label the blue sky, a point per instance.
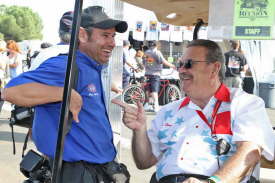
(51, 10)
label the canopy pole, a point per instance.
(68, 84)
(197, 28)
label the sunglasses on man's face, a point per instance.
(188, 64)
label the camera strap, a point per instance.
(26, 122)
(25, 141)
(13, 141)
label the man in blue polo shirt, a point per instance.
(90, 140)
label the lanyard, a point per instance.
(213, 117)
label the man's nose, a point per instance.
(112, 42)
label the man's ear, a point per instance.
(82, 36)
(216, 68)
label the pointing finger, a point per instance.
(119, 102)
(75, 116)
(139, 105)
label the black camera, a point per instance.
(222, 147)
(36, 168)
(117, 172)
(22, 116)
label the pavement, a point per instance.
(9, 163)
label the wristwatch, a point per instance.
(214, 179)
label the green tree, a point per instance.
(20, 23)
(1, 36)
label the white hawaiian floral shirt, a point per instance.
(181, 139)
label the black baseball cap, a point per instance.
(94, 16)
(65, 23)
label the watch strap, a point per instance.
(214, 179)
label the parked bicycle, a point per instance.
(169, 89)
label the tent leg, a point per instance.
(197, 28)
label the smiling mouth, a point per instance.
(107, 52)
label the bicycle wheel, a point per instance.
(172, 93)
(132, 94)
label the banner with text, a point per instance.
(254, 19)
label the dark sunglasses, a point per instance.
(187, 64)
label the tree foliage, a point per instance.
(1, 36)
(20, 23)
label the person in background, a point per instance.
(144, 48)
(43, 45)
(89, 153)
(127, 65)
(248, 82)
(3, 64)
(236, 64)
(14, 59)
(139, 59)
(132, 54)
(213, 135)
(3, 60)
(64, 32)
(153, 63)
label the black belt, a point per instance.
(106, 172)
(176, 178)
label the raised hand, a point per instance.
(75, 104)
(134, 116)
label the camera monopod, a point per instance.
(70, 81)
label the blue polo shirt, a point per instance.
(91, 139)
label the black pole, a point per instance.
(69, 81)
(197, 28)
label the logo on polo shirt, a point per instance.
(92, 90)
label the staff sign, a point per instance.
(254, 19)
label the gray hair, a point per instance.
(214, 53)
(65, 37)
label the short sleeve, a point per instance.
(251, 123)
(51, 72)
(160, 57)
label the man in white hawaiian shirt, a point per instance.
(214, 134)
